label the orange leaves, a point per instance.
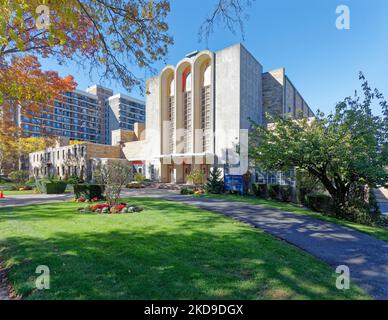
(23, 84)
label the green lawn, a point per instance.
(17, 193)
(170, 251)
(377, 232)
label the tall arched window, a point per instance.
(187, 107)
(171, 113)
(206, 104)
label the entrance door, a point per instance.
(186, 172)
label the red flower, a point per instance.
(81, 200)
(94, 199)
(119, 207)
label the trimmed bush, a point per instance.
(187, 191)
(260, 190)
(274, 191)
(285, 193)
(51, 186)
(89, 191)
(319, 202)
(74, 179)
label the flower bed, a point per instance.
(121, 208)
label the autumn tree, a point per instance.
(344, 150)
(109, 36)
(25, 90)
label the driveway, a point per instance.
(366, 257)
(25, 200)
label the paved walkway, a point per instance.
(25, 200)
(367, 257)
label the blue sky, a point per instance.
(300, 35)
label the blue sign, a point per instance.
(234, 184)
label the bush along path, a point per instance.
(366, 257)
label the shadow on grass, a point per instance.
(147, 264)
(38, 212)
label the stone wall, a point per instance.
(281, 96)
(103, 151)
(273, 92)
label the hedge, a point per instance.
(89, 191)
(286, 193)
(274, 191)
(260, 190)
(51, 186)
(319, 202)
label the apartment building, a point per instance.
(73, 116)
(103, 95)
(89, 115)
(123, 112)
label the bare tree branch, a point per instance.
(231, 13)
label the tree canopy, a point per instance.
(344, 149)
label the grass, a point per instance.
(170, 251)
(8, 192)
(18, 193)
(377, 232)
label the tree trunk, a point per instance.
(338, 195)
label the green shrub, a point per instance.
(319, 202)
(51, 186)
(196, 177)
(19, 177)
(4, 179)
(260, 190)
(139, 178)
(89, 191)
(187, 191)
(274, 191)
(364, 212)
(41, 185)
(285, 193)
(56, 187)
(74, 179)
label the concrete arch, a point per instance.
(183, 124)
(203, 66)
(167, 77)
